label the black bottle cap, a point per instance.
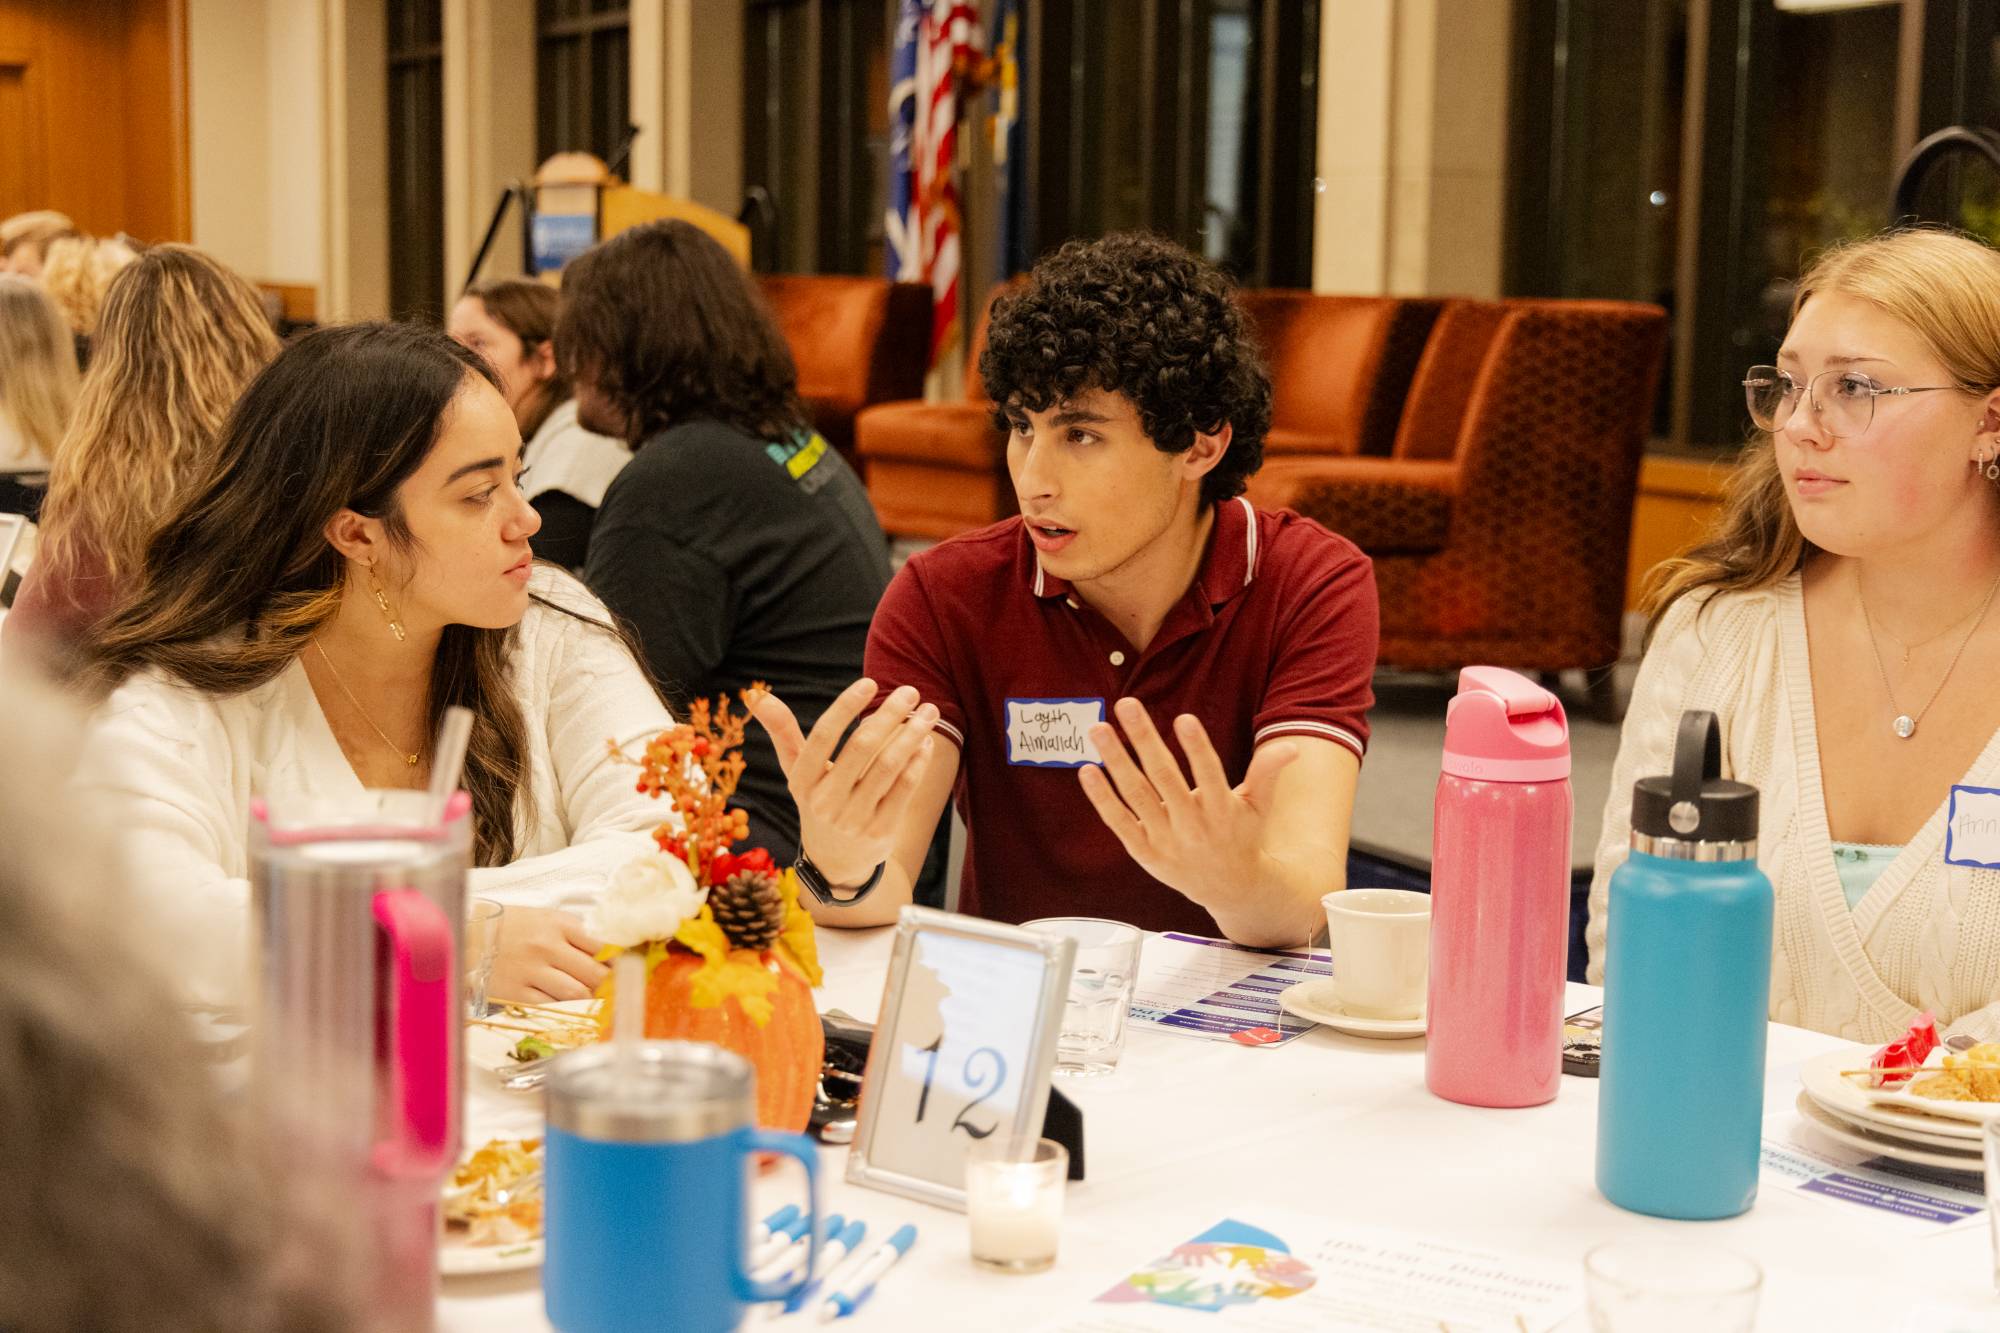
(1695, 803)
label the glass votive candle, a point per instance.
(1657, 1286)
(1013, 1201)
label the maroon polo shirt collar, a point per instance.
(1227, 567)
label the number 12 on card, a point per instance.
(963, 1049)
(997, 1064)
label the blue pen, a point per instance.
(831, 1256)
(778, 1241)
(794, 1254)
(761, 1232)
(862, 1285)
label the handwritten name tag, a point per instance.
(1052, 733)
(1972, 828)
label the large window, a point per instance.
(1194, 118)
(416, 158)
(1699, 153)
(816, 131)
(583, 69)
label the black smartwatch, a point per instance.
(817, 886)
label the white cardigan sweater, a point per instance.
(174, 771)
(1925, 936)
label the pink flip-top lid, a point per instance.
(1502, 727)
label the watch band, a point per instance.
(816, 883)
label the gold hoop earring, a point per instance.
(382, 601)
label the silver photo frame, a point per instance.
(964, 1048)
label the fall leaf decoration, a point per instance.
(749, 920)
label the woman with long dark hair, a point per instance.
(352, 561)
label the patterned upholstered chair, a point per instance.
(1500, 523)
(1340, 367)
(856, 342)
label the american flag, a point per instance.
(933, 38)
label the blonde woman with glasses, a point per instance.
(179, 338)
(1841, 624)
(37, 376)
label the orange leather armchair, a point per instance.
(1499, 526)
(938, 469)
(855, 341)
(1340, 366)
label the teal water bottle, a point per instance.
(1687, 985)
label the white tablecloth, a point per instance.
(1187, 1132)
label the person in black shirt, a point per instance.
(737, 542)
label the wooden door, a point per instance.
(93, 113)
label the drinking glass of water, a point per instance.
(1100, 992)
(482, 949)
(1658, 1286)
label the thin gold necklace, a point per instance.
(409, 757)
(1905, 725)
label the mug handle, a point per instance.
(423, 991)
(806, 1152)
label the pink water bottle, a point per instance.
(1500, 858)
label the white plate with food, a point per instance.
(513, 1035)
(1962, 1085)
(1884, 1143)
(1851, 1099)
(493, 1209)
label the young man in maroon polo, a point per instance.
(1035, 670)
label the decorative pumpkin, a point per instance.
(730, 954)
(786, 1051)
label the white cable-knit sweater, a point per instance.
(174, 771)
(1925, 936)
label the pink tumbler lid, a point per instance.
(1502, 727)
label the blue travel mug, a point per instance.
(645, 1207)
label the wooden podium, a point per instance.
(574, 202)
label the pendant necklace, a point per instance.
(1905, 724)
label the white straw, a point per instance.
(628, 1013)
(448, 758)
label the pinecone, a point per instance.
(749, 909)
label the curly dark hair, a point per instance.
(1136, 315)
(669, 328)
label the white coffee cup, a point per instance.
(1381, 943)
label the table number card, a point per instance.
(963, 1049)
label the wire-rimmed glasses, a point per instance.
(1845, 410)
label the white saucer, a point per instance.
(1314, 1001)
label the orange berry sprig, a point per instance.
(695, 767)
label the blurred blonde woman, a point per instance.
(37, 375)
(25, 237)
(1841, 625)
(140, 1198)
(77, 273)
(179, 338)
